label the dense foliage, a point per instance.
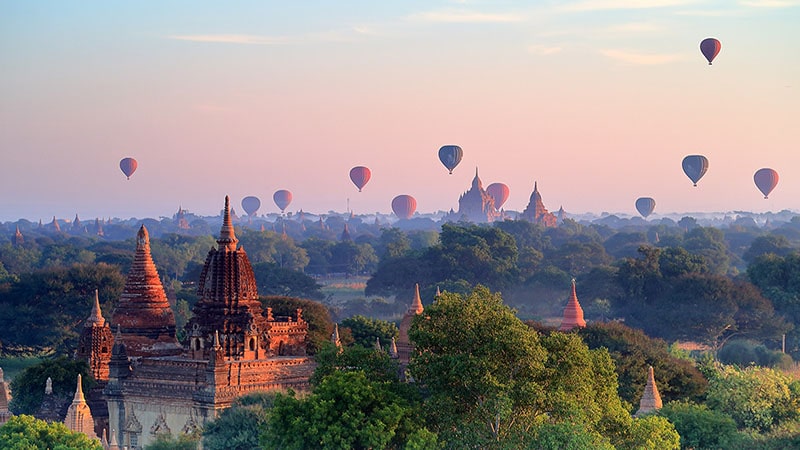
(28, 433)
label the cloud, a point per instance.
(640, 58)
(594, 5)
(543, 50)
(770, 3)
(462, 16)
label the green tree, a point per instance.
(566, 436)
(320, 325)
(167, 442)
(28, 386)
(345, 411)
(365, 330)
(28, 433)
(651, 432)
(275, 280)
(43, 309)
(393, 243)
(758, 398)
(699, 427)
(238, 427)
(377, 366)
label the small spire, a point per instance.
(217, 347)
(393, 349)
(227, 239)
(416, 304)
(96, 317)
(113, 445)
(79, 398)
(438, 292)
(573, 313)
(104, 439)
(651, 399)
(378, 344)
(48, 386)
(335, 336)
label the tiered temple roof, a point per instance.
(536, 212)
(573, 313)
(476, 205)
(144, 316)
(95, 342)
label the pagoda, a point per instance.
(573, 313)
(95, 342)
(79, 416)
(651, 399)
(475, 205)
(536, 212)
(144, 316)
(403, 343)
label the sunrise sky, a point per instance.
(597, 101)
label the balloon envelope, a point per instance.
(766, 180)
(251, 204)
(450, 156)
(282, 198)
(710, 47)
(404, 206)
(695, 166)
(645, 206)
(128, 166)
(360, 175)
(499, 192)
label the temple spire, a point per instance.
(79, 416)
(227, 239)
(573, 313)
(416, 304)
(95, 317)
(651, 399)
(335, 336)
(79, 392)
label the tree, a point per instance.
(320, 325)
(275, 280)
(480, 365)
(345, 411)
(167, 442)
(393, 243)
(774, 244)
(698, 426)
(481, 255)
(633, 351)
(757, 398)
(365, 330)
(651, 432)
(25, 432)
(238, 427)
(28, 386)
(377, 366)
(43, 309)
(567, 436)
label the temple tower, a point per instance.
(229, 302)
(79, 417)
(403, 343)
(144, 317)
(476, 205)
(95, 342)
(5, 414)
(573, 313)
(19, 239)
(536, 212)
(651, 399)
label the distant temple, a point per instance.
(403, 346)
(651, 399)
(156, 386)
(536, 212)
(18, 238)
(573, 313)
(180, 219)
(475, 205)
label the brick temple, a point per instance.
(154, 384)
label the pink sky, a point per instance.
(598, 101)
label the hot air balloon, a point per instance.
(360, 175)
(766, 180)
(251, 204)
(695, 166)
(404, 206)
(128, 166)
(282, 198)
(645, 206)
(499, 192)
(450, 156)
(710, 47)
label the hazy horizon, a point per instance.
(596, 101)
